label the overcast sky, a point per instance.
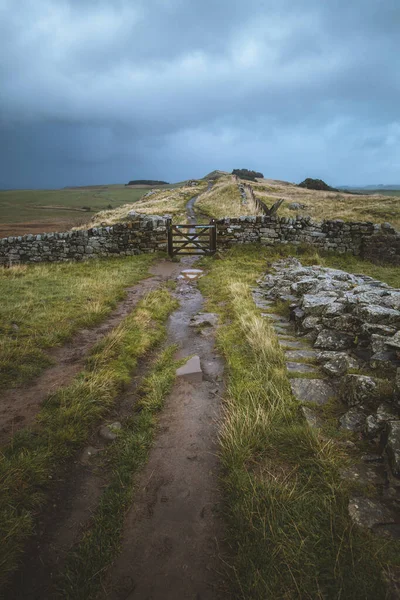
(103, 92)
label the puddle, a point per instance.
(191, 274)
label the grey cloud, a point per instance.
(106, 91)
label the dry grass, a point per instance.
(161, 202)
(43, 305)
(224, 200)
(330, 205)
(285, 503)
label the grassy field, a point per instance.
(378, 191)
(36, 211)
(377, 208)
(161, 202)
(224, 200)
(43, 305)
(29, 463)
(285, 502)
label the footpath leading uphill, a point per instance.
(171, 534)
(230, 430)
(173, 531)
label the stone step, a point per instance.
(292, 344)
(294, 367)
(300, 354)
(316, 391)
(274, 317)
(281, 325)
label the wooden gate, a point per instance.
(186, 240)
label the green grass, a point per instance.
(285, 502)
(347, 262)
(18, 206)
(43, 305)
(88, 561)
(388, 274)
(66, 419)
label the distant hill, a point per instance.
(147, 182)
(379, 187)
(215, 174)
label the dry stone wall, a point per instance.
(365, 239)
(141, 234)
(148, 233)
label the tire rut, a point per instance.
(19, 406)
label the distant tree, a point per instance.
(316, 184)
(109, 207)
(247, 174)
(87, 208)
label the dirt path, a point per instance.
(19, 406)
(173, 532)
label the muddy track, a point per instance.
(19, 406)
(173, 535)
(74, 497)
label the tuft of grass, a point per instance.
(89, 560)
(43, 305)
(65, 421)
(285, 502)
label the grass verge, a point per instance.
(89, 560)
(65, 421)
(43, 305)
(285, 503)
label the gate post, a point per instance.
(213, 236)
(169, 237)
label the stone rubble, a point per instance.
(345, 348)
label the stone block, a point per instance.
(191, 371)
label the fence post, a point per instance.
(169, 237)
(213, 236)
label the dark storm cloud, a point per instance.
(97, 91)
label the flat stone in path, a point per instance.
(281, 327)
(204, 320)
(300, 354)
(191, 371)
(274, 317)
(295, 367)
(262, 303)
(294, 344)
(316, 391)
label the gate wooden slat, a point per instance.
(199, 240)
